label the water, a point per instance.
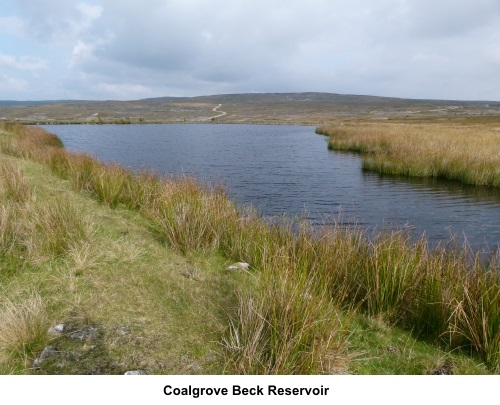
(288, 169)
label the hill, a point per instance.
(291, 108)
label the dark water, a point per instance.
(288, 169)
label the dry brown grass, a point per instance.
(13, 184)
(23, 325)
(468, 153)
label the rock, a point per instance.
(47, 353)
(238, 266)
(137, 372)
(123, 330)
(442, 371)
(392, 350)
(56, 330)
(210, 357)
(88, 332)
(445, 369)
(192, 274)
(194, 366)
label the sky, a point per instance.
(124, 49)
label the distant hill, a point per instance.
(293, 108)
(13, 103)
(345, 99)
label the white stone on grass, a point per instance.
(56, 330)
(238, 266)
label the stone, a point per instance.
(392, 350)
(123, 330)
(210, 357)
(88, 332)
(47, 353)
(445, 369)
(137, 372)
(56, 330)
(194, 366)
(238, 266)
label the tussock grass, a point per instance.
(28, 142)
(189, 217)
(13, 184)
(40, 231)
(467, 153)
(53, 229)
(23, 326)
(28, 227)
(294, 317)
(281, 327)
(9, 229)
(476, 317)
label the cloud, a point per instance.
(123, 91)
(22, 63)
(54, 21)
(10, 84)
(432, 18)
(407, 48)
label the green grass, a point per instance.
(151, 254)
(379, 348)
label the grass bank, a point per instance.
(465, 152)
(149, 253)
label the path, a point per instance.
(221, 113)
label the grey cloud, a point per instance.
(408, 48)
(432, 18)
(56, 21)
(22, 63)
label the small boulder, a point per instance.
(124, 330)
(47, 353)
(392, 350)
(137, 372)
(88, 332)
(56, 330)
(238, 266)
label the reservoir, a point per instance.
(283, 169)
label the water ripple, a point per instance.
(289, 169)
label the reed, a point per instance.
(189, 217)
(476, 315)
(467, 153)
(282, 326)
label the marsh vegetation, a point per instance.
(469, 153)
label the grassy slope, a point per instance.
(176, 307)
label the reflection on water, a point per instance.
(288, 169)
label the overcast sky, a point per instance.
(124, 49)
